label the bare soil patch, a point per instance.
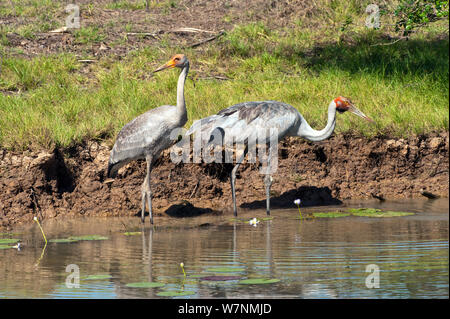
(119, 29)
(73, 182)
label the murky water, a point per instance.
(321, 258)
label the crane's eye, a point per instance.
(177, 59)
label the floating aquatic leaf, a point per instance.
(258, 281)
(266, 218)
(196, 276)
(89, 237)
(225, 269)
(132, 233)
(175, 293)
(62, 240)
(8, 241)
(330, 215)
(145, 284)
(237, 220)
(97, 277)
(220, 278)
(5, 247)
(374, 212)
(10, 234)
(72, 239)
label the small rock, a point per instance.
(435, 142)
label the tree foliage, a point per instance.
(412, 14)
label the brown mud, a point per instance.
(72, 182)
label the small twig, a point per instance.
(87, 61)
(389, 43)
(145, 34)
(60, 30)
(217, 77)
(206, 40)
(195, 189)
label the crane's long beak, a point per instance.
(354, 110)
(169, 64)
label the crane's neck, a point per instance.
(181, 105)
(313, 135)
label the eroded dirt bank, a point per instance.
(73, 182)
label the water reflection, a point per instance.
(323, 258)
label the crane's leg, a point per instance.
(268, 183)
(148, 191)
(143, 187)
(233, 190)
(233, 180)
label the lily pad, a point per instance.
(8, 241)
(373, 212)
(259, 281)
(330, 215)
(145, 284)
(97, 277)
(225, 269)
(132, 233)
(220, 278)
(175, 293)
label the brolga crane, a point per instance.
(248, 119)
(148, 135)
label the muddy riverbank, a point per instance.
(72, 182)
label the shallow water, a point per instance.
(320, 258)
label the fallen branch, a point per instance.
(190, 30)
(206, 40)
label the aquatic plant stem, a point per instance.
(301, 217)
(42, 255)
(42, 231)
(184, 278)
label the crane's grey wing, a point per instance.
(147, 134)
(249, 120)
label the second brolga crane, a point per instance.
(149, 134)
(245, 121)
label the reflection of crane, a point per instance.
(248, 120)
(149, 134)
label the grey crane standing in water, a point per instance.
(148, 135)
(248, 119)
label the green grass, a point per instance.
(28, 8)
(127, 5)
(91, 34)
(404, 87)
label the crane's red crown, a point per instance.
(343, 104)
